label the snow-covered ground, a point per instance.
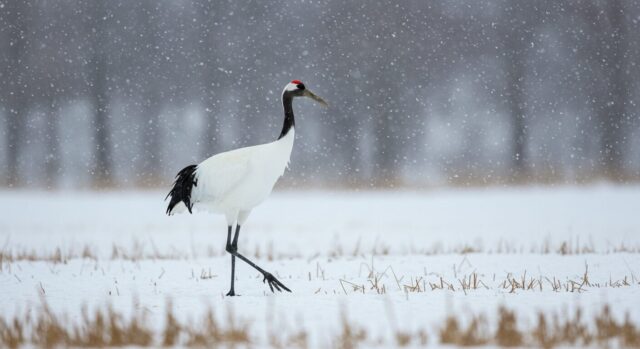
(329, 248)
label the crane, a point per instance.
(234, 182)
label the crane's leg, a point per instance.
(268, 277)
(233, 259)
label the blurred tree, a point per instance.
(519, 22)
(15, 81)
(149, 74)
(211, 75)
(341, 32)
(612, 111)
(50, 84)
(52, 157)
(100, 18)
(385, 72)
(603, 59)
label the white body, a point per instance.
(236, 181)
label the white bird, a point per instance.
(234, 182)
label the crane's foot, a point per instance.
(231, 294)
(274, 283)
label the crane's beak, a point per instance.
(316, 98)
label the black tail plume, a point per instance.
(181, 191)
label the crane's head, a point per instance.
(297, 89)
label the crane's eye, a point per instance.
(300, 86)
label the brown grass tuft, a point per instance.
(507, 334)
(172, 327)
(106, 327)
(210, 334)
(473, 335)
(351, 335)
(12, 332)
(549, 332)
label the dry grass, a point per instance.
(97, 329)
(292, 339)
(565, 247)
(376, 282)
(351, 335)
(172, 328)
(108, 328)
(56, 256)
(138, 250)
(12, 332)
(508, 334)
(550, 331)
(472, 335)
(209, 333)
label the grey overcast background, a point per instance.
(123, 94)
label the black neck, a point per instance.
(289, 121)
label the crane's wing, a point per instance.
(221, 173)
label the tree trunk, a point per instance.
(151, 139)
(15, 126)
(612, 114)
(52, 162)
(102, 175)
(516, 45)
(16, 82)
(388, 142)
(211, 77)
(153, 98)
(102, 132)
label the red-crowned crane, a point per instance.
(234, 182)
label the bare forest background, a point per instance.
(123, 94)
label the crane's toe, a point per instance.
(273, 282)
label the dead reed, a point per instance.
(376, 282)
(549, 332)
(138, 250)
(108, 328)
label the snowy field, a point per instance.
(385, 262)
